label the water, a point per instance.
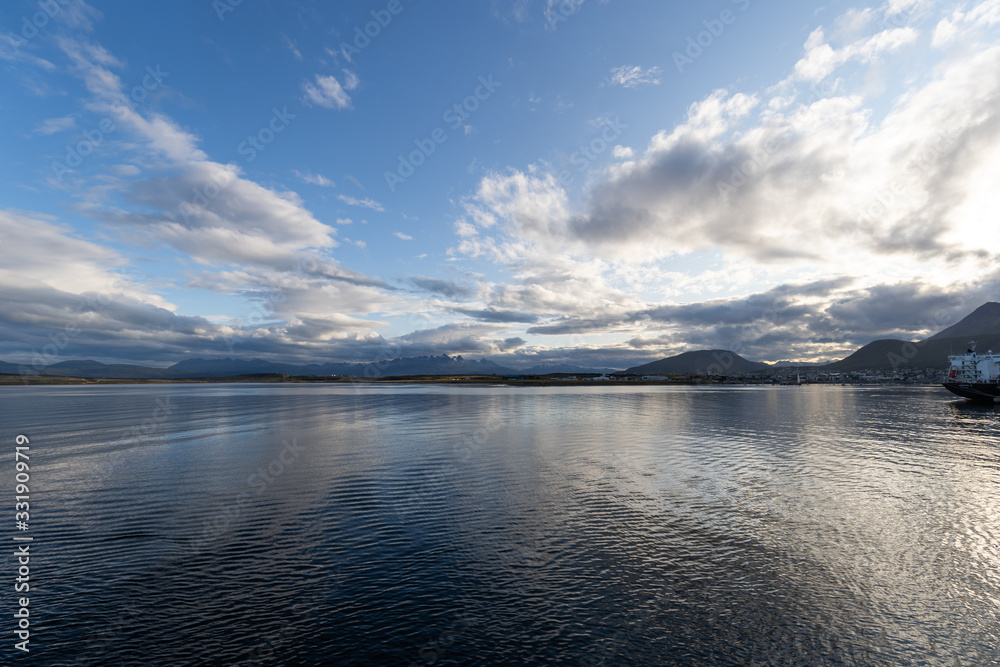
(419, 525)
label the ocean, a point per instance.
(485, 525)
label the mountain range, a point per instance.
(983, 325)
(218, 368)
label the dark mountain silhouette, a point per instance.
(700, 362)
(982, 325)
(983, 321)
(218, 368)
(95, 369)
(8, 368)
(227, 367)
(891, 354)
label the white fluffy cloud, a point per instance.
(204, 209)
(254, 241)
(38, 251)
(819, 180)
(824, 182)
(327, 91)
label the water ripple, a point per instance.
(413, 525)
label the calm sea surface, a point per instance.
(419, 525)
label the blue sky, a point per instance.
(587, 181)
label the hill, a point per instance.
(983, 321)
(8, 368)
(700, 362)
(982, 325)
(890, 354)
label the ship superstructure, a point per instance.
(975, 376)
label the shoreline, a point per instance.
(475, 380)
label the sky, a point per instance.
(587, 182)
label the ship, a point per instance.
(975, 376)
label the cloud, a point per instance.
(818, 182)
(291, 46)
(576, 326)
(253, 241)
(14, 49)
(402, 237)
(315, 179)
(244, 222)
(62, 296)
(36, 250)
(55, 125)
(826, 319)
(498, 316)
(869, 199)
(445, 288)
(364, 203)
(328, 92)
(859, 206)
(457, 338)
(821, 59)
(78, 15)
(201, 208)
(961, 21)
(41, 325)
(634, 76)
